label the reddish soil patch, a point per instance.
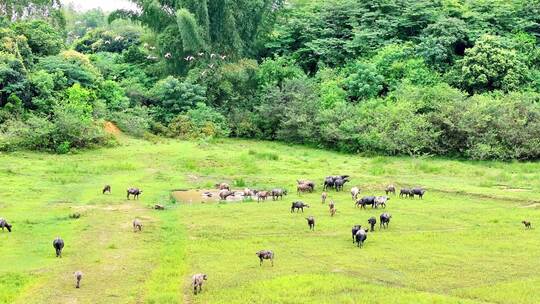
(111, 128)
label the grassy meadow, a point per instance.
(463, 243)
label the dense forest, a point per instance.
(458, 78)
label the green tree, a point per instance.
(43, 39)
(490, 65)
(171, 97)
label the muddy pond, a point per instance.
(203, 196)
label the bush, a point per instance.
(134, 121)
(200, 122)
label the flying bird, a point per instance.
(168, 55)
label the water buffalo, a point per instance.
(330, 181)
(333, 211)
(223, 194)
(390, 189)
(265, 255)
(332, 207)
(385, 220)
(247, 193)
(58, 245)
(197, 281)
(107, 189)
(338, 183)
(311, 222)
(5, 224)
(298, 206)
(372, 221)
(133, 191)
(262, 195)
(354, 193)
(303, 188)
(366, 200)
(360, 237)
(380, 201)
(310, 184)
(354, 230)
(223, 186)
(404, 192)
(137, 225)
(78, 277)
(417, 191)
(527, 224)
(278, 193)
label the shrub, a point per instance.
(200, 122)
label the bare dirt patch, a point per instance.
(204, 196)
(111, 128)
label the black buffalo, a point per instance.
(372, 221)
(360, 237)
(135, 192)
(385, 220)
(58, 245)
(298, 206)
(366, 200)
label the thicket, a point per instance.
(416, 77)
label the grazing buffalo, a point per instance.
(298, 206)
(278, 193)
(78, 277)
(107, 189)
(324, 195)
(311, 222)
(360, 237)
(135, 192)
(303, 188)
(366, 200)
(330, 181)
(308, 183)
(223, 194)
(339, 182)
(58, 245)
(380, 201)
(385, 220)
(527, 224)
(354, 193)
(372, 221)
(333, 211)
(197, 281)
(5, 224)
(265, 255)
(404, 192)
(390, 189)
(332, 207)
(247, 193)
(354, 230)
(417, 191)
(223, 186)
(137, 225)
(262, 195)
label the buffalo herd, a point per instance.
(335, 182)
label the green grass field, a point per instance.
(463, 243)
